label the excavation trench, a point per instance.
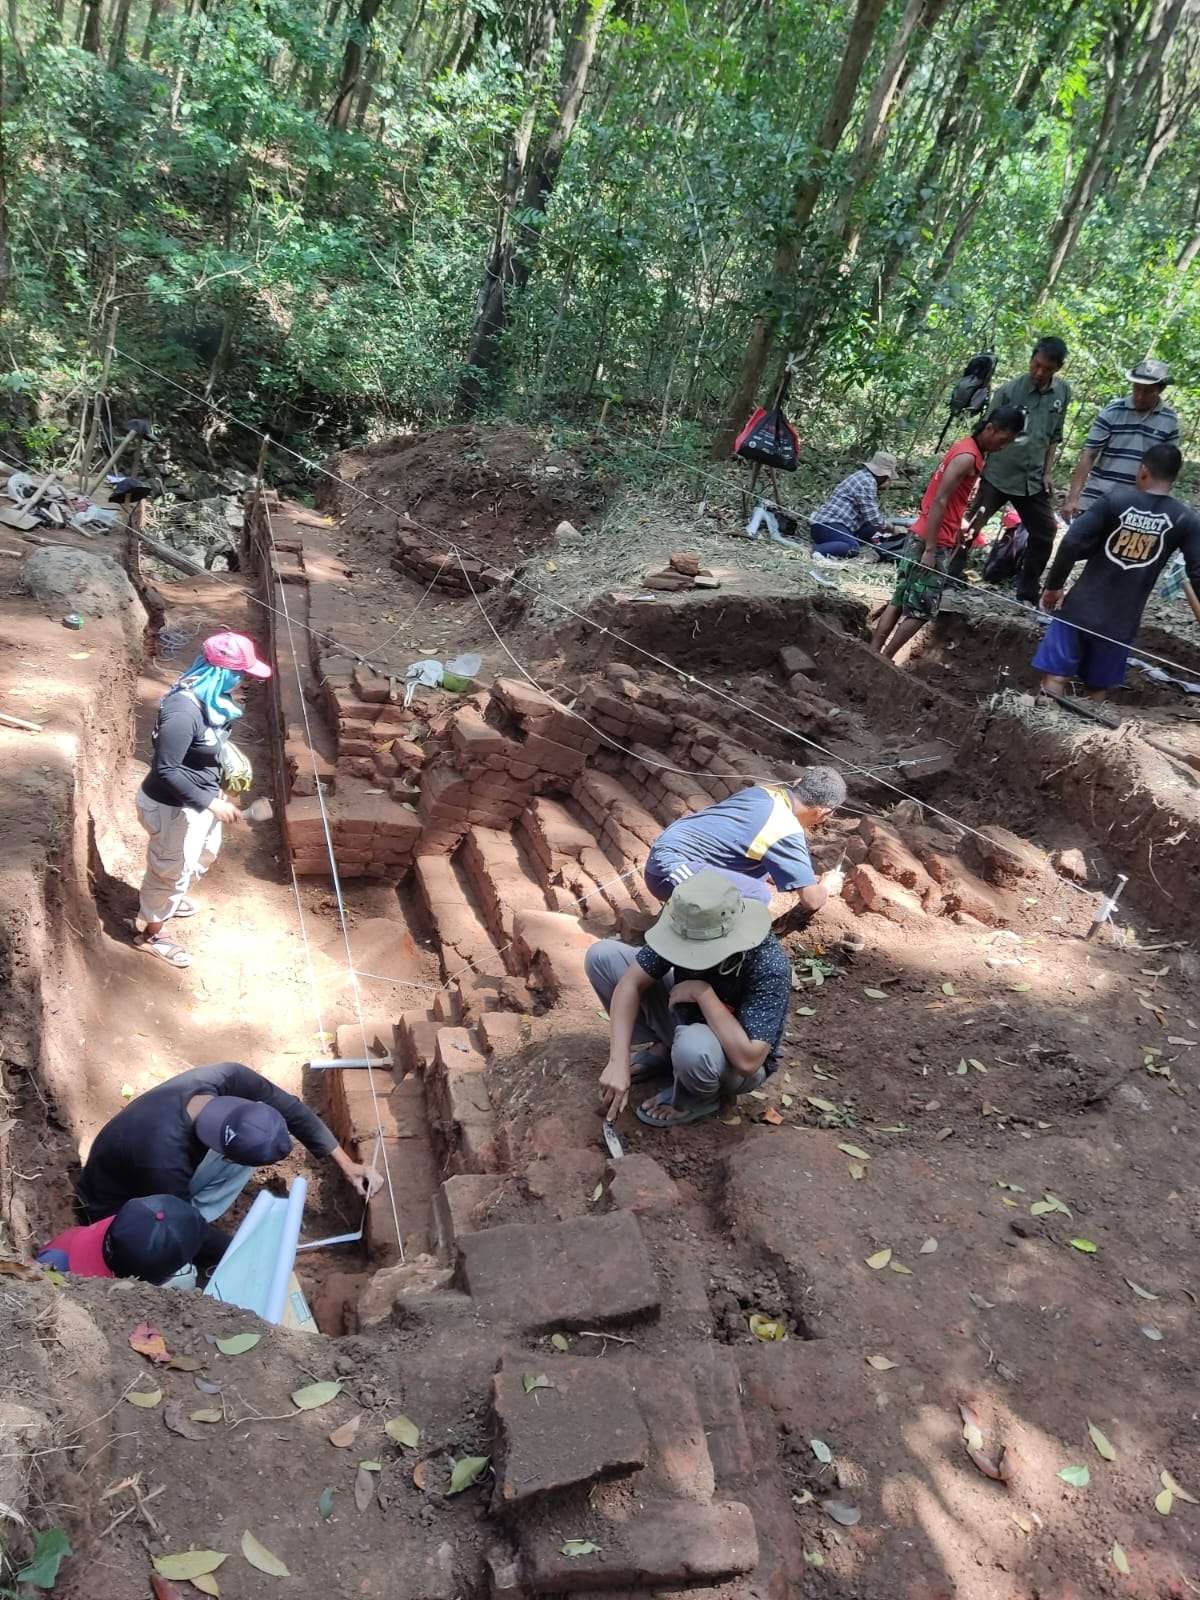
(483, 840)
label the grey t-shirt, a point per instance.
(1126, 538)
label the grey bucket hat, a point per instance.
(706, 921)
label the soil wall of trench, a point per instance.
(56, 797)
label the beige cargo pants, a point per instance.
(181, 846)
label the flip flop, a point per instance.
(166, 950)
(695, 1112)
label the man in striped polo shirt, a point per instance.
(1120, 437)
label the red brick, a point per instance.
(639, 1184)
(461, 1204)
(418, 1041)
(868, 890)
(590, 1272)
(504, 1033)
(455, 1054)
(548, 756)
(587, 1427)
(673, 1543)
(472, 735)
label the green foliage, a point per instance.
(322, 282)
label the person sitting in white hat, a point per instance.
(851, 517)
(702, 1003)
(1120, 436)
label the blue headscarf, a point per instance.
(212, 686)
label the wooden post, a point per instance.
(105, 367)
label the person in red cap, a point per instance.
(152, 1238)
(180, 803)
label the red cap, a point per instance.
(236, 652)
(83, 1249)
(1010, 519)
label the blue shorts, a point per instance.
(661, 878)
(1065, 652)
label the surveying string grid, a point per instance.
(579, 616)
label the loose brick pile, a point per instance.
(419, 556)
(682, 571)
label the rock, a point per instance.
(683, 561)
(63, 579)
(590, 1272)
(1072, 864)
(586, 1425)
(640, 1185)
(567, 533)
(868, 890)
(1004, 857)
(792, 659)
(422, 1276)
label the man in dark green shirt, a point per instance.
(1020, 474)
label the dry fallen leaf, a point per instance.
(928, 1248)
(1142, 1294)
(148, 1342)
(364, 1488)
(177, 1420)
(342, 1438)
(767, 1328)
(403, 1430)
(972, 1425)
(841, 1512)
(1120, 1560)
(1086, 1245)
(188, 1565)
(881, 1363)
(879, 1260)
(857, 1170)
(238, 1343)
(987, 1465)
(1163, 1501)
(896, 1266)
(259, 1556)
(1078, 1477)
(853, 1150)
(316, 1394)
(144, 1397)
(821, 1450)
(1103, 1446)
(1168, 1482)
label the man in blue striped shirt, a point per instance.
(1120, 437)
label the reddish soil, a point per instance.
(500, 492)
(1088, 1093)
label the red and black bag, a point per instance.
(770, 438)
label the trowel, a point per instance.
(611, 1143)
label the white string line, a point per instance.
(582, 617)
(381, 1149)
(339, 645)
(812, 743)
(523, 583)
(519, 582)
(1007, 599)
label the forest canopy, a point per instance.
(339, 216)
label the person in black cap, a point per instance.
(152, 1238)
(197, 1137)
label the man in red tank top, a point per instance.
(936, 532)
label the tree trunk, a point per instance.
(510, 273)
(367, 87)
(120, 36)
(356, 41)
(156, 9)
(91, 27)
(1123, 101)
(880, 108)
(837, 114)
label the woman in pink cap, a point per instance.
(180, 803)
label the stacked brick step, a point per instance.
(419, 556)
(388, 1104)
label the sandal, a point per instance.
(165, 949)
(682, 1113)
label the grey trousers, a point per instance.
(697, 1059)
(215, 1185)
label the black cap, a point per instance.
(152, 1237)
(243, 1131)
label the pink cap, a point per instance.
(235, 651)
(1011, 519)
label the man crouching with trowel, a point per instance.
(702, 1003)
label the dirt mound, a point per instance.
(501, 491)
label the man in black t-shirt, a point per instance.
(1126, 538)
(704, 1002)
(198, 1136)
